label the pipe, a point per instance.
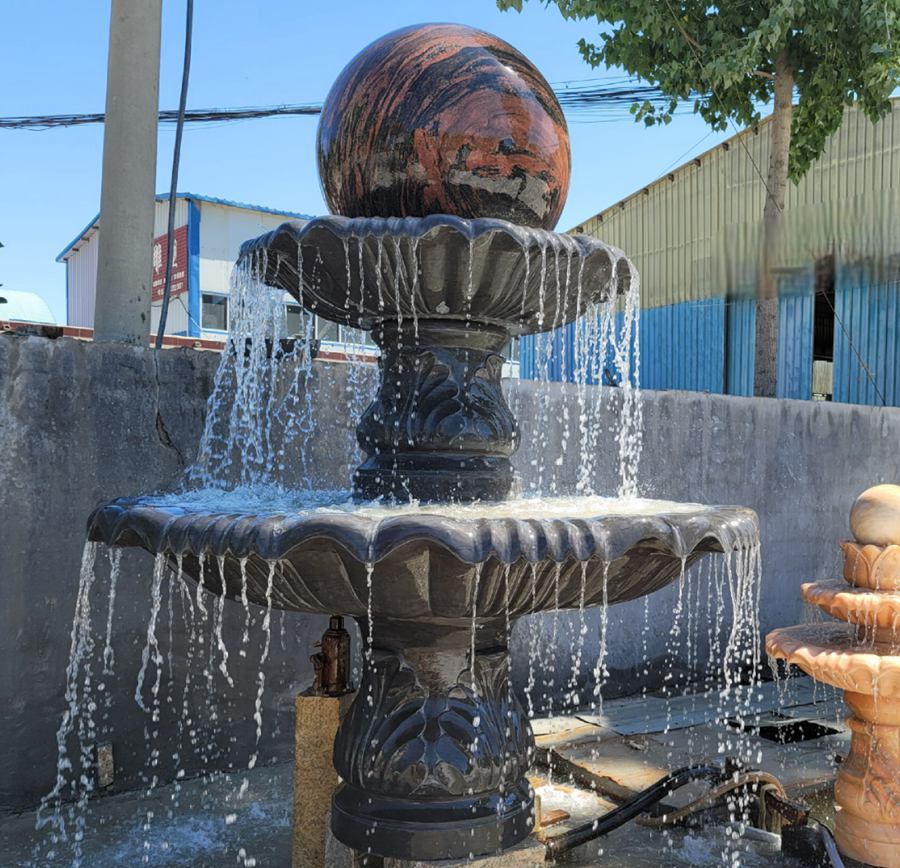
(830, 846)
(709, 799)
(560, 844)
(173, 187)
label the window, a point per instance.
(293, 320)
(214, 311)
(327, 330)
(356, 337)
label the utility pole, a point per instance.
(127, 196)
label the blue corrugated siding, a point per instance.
(741, 344)
(795, 334)
(682, 346)
(866, 338)
(527, 369)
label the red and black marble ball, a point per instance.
(444, 119)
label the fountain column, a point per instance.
(440, 427)
(433, 752)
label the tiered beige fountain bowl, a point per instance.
(862, 657)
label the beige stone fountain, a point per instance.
(862, 657)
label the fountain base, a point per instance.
(432, 753)
(433, 830)
(867, 788)
(867, 827)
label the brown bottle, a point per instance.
(332, 662)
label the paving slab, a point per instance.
(635, 715)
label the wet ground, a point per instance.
(244, 818)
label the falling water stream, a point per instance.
(258, 455)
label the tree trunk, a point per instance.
(776, 184)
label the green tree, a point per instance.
(731, 58)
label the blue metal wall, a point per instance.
(867, 337)
(684, 346)
(795, 333)
(741, 344)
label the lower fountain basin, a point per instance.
(835, 654)
(448, 563)
(434, 751)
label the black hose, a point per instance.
(560, 844)
(173, 187)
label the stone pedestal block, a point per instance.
(315, 780)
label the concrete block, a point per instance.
(315, 779)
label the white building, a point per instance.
(208, 236)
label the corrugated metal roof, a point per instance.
(93, 225)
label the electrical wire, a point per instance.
(830, 846)
(176, 157)
(609, 98)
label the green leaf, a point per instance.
(840, 52)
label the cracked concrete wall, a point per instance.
(81, 423)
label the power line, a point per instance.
(47, 122)
(581, 96)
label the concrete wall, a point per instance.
(81, 423)
(799, 464)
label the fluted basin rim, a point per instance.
(831, 652)
(483, 270)
(129, 521)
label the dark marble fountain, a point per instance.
(446, 157)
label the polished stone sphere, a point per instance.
(444, 119)
(875, 517)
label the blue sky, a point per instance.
(54, 61)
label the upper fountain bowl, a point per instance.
(444, 119)
(364, 271)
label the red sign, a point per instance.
(179, 264)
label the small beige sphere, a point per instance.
(875, 517)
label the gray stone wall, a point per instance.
(81, 423)
(799, 464)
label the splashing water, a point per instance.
(256, 456)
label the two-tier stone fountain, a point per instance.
(445, 156)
